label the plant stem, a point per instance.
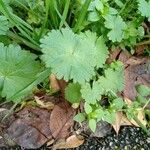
(19, 39)
(82, 16)
(146, 104)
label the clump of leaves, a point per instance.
(70, 61)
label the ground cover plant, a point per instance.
(92, 54)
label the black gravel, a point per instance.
(129, 138)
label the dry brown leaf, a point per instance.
(136, 72)
(117, 123)
(121, 120)
(54, 83)
(71, 142)
(61, 120)
(31, 128)
(42, 104)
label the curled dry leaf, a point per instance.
(43, 104)
(31, 128)
(61, 120)
(121, 119)
(71, 142)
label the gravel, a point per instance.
(129, 138)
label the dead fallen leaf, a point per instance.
(31, 128)
(120, 120)
(42, 104)
(71, 142)
(61, 120)
(116, 125)
(136, 72)
(54, 83)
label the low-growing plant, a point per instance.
(74, 38)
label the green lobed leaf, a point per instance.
(91, 94)
(144, 8)
(68, 53)
(117, 104)
(96, 4)
(28, 89)
(100, 52)
(18, 69)
(72, 93)
(113, 79)
(116, 26)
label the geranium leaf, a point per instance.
(144, 8)
(68, 53)
(18, 69)
(113, 80)
(116, 26)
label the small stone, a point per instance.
(148, 140)
(141, 142)
(111, 143)
(136, 140)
